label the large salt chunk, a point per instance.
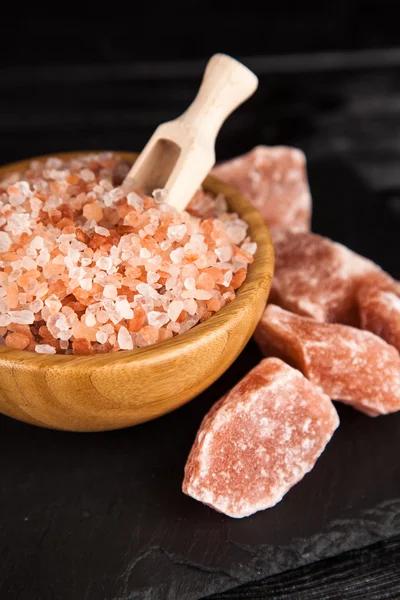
(350, 365)
(379, 306)
(274, 179)
(318, 278)
(259, 440)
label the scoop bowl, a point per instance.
(120, 389)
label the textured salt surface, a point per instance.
(259, 440)
(87, 265)
(318, 278)
(379, 307)
(274, 179)
(350, 365)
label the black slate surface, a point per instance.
(101, 515)
(370, 573)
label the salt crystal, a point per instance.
(43, 258)
(317, 277)
(123, 308)
(285, 201)
(150, 229)
(347, 364)
(86, 283)
(174, 270)
(87, 175)
(379, 307)
(157, 319)
(36, 306)
(189, 323)
(51, 163)
(22, 317)
(124, 339)
(176, 232)
(227, 278)
(165, 245)
(250, 248)
(52, 203)
(190, 305)
(28, 263)
(197, 294)
(136, 201)
(5, 242)
(101, 337)
(44, 349)
(152, 277)
(42, 290)
(37, 243)
(237, 233)
(175, 309)
(90, 320)
(65, 335)
(249, 450)
(224, 253)
(71, 263)
(18, 192)
(18, 223)
(85, 262)
(228, 296)
(5, 320)
(110, 291)
(102, 316)
(159, 196)
(106, 185)
(53, 304)
(146, 290)
(113, 196)
(177, 255)
(105, 263)
(144, 253)
(101, 230)
(190, 283)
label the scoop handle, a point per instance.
(226, 84)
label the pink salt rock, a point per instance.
(259, 440)
(274, 179)
(379, 307)
(350, 365)
(318, 278)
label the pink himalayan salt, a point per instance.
(80, 255)
(93, 211)
(45, 349)
(175, 309)
(353, 366)
(318, 278)
(259, 440)
(274, 179)
(125, 339)
(17, 341)
(379, 306)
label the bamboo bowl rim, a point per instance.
(259, 274)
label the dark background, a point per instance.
(329, 83)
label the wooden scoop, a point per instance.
(181, 153)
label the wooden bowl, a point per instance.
(111, 391)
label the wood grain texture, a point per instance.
(116, 390)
